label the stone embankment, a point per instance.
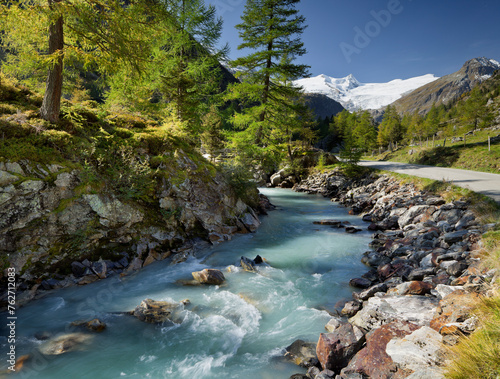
(58, 230)
(423, 280)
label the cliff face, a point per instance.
(57, 230)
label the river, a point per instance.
(237, 330)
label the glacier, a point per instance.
(354, 95)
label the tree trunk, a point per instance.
(51, 104)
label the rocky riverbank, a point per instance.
(423, 280)
(58, 228)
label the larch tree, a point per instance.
(475, 112)
(183, 72)
(390, 129)
(365, 134)
(271, 29)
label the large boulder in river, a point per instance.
(247, 264)
(94, 325)
(302, 353)
(209, 276)
(155, 312)
(65, 343)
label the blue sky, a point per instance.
(381, 40)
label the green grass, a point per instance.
(473, 156)
(115, 150)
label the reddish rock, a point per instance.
(442, 278)
(334, 350)
(455, 307)
(394, 269)
(460, 281)
(419, 288)
(373, 361)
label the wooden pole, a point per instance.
(489, 143)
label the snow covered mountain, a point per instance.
(354, 95)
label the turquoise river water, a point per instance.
(236, 330)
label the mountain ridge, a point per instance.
(408, 95)
(354, 95)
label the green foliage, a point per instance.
(212, 137)
(474, 111)
(241, 180)
(391, 129)
(350, 154)
(183, 71)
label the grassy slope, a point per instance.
(119, 150)
(473, 156)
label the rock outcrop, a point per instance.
(57, 230)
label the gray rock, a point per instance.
(333, 324)
(443, 290)
(412, 213)
(78, 269)
(366, 294)
(156, 312)
(435, 201)
(351, 308)
(31, 186)
(65, 180)
(419, 274)
(427, 373)
(100, 269)
(65, 343)
(250, 221)
(326, 374)
(451, 238)
(360, 283)
(14, 167)
(378, 311)
(312, 372)
(456, 268)
(419, 350)
(6, 178)
(112, 212)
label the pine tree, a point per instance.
(272, 29)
